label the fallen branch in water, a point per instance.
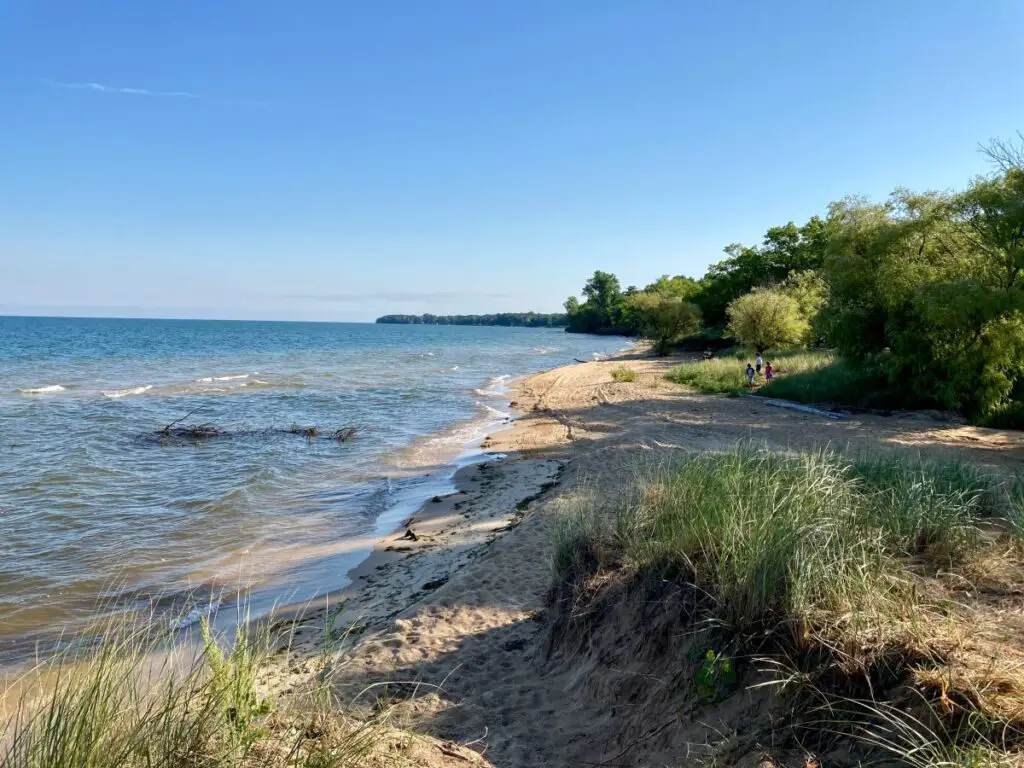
(179, 433)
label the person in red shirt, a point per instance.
(769, 372)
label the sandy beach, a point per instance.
(450, 611)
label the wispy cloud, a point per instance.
(101, 88)
(428, 297)
(145, 92)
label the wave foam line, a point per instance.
(116, 393)
(49, 389)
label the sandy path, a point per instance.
(466, 658)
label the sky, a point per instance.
(342, 160)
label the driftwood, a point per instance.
(179, 433)
(797, 407)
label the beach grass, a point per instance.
(727, 374)
(140, 696)
(817, 562)
(623, 374)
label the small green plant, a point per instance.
(715, 677)
(624, 374)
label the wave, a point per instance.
(493, 387)
(116, 393)
(493, 411)
(195, 615)
(546, 350)
(49, 389)
(232, 377)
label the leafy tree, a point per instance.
(603, 294)
(784, 250)
(603, 309)
(664, 317)
(767, 318)
(927, 289)
(809, 289)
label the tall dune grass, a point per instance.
(143, 698)
(775, 539)
(827, 569)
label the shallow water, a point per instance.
(93, 510)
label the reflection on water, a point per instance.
(85, 504)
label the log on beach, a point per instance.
(798, 407)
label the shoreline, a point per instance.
(454, 625)
(449, 630)
(486, 499)
(490, 492)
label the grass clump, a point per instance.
(777, 541)
(623, 374)
(142, 698)
(829, 570)
(727, 374)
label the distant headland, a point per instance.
(507, 319)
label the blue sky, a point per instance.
(328, 160)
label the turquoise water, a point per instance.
(93, 510)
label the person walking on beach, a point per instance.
(750, 374)
(759, 362)
(769, 372)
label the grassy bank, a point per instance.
(727, 374)
(829, 572)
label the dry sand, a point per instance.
(454, 621)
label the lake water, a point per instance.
(95, 509)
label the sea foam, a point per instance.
(116, 393)
(50, 389)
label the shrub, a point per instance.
(767, 318)
(1010, 416)
(624, 374)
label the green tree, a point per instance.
(927, 289)
(783, 251)
(603, 293)
(664, 317)
(809, 289)
(767, 318)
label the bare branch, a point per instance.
(1005, 154)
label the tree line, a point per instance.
(507, 319)
(921, 294)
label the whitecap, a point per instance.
(493, 387)
(493, 411)
(454, 368)
(116, 393)
(194, 616)
(49, 389)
